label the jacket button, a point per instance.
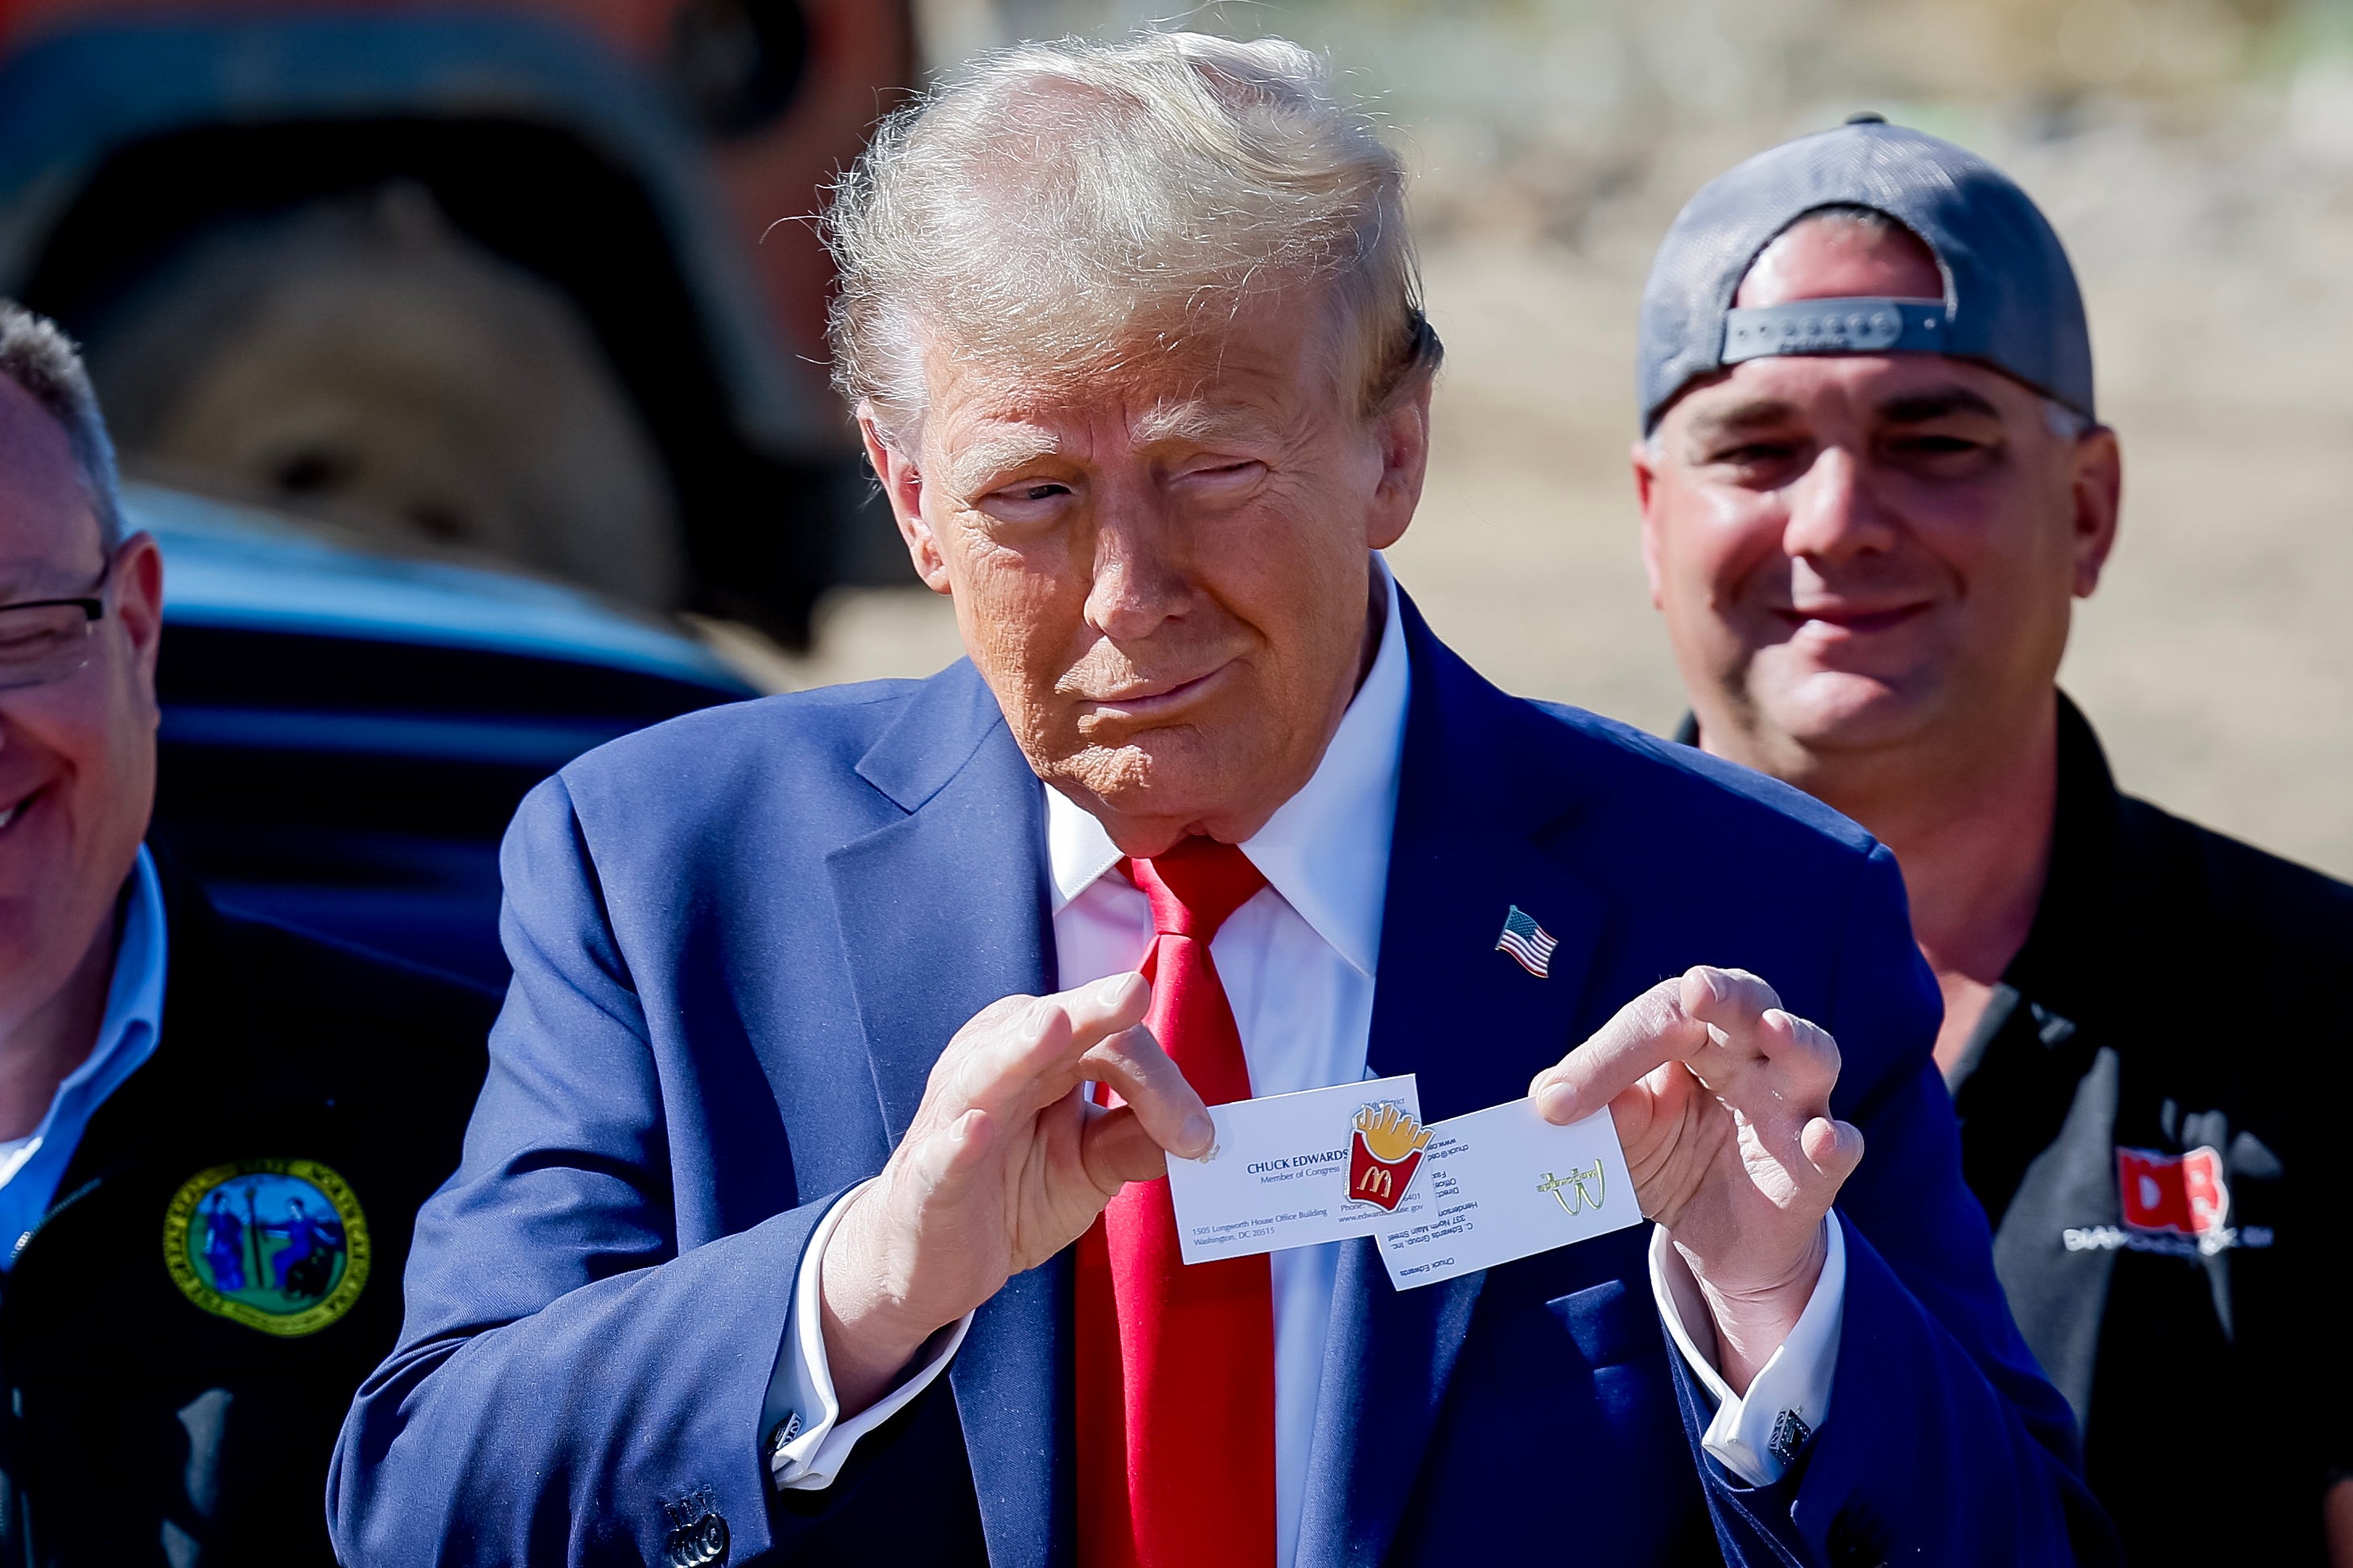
(702, 1544)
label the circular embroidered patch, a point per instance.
(276, 1245)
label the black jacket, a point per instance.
(181, 1336)
(2150, 1111)
(2177, 995)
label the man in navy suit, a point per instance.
(815, 1210)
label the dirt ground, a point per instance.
(2217, 658)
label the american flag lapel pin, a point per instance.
(1528, 944)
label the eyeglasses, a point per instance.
(42, 640)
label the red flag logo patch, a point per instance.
(2183, 1194)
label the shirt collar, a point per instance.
(132, 1021)
(1326, 849)
(135, 998)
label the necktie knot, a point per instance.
(1195, 886)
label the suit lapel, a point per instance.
(942, 912)
(1479, 797)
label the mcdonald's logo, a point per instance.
(1383, 1155)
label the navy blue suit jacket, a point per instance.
(741, 939)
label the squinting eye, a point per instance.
(1020, 498)
(1246, 469)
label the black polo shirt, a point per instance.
(2150, 1115)
(2148, 1112)
(182, 1334)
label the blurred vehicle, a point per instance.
(346, 732)
(521, 275)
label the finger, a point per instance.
(1649, 1030)
(1024, 1058)
(1654, 1100)
(1102, 1009)
(995, 1059)
(1172, 1113)
(1834, 1149)
(1115, 1149)
(1731, 1001)
(1805, 1058)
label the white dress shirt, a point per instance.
(1298, 962)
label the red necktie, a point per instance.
(1175, 1365)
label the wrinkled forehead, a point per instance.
(1262, 371)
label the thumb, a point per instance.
(1115, 1150)
(1833, 1147)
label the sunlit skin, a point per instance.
(1161, 567)
(77, 765)
(1867, 565)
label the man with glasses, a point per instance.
(214, 1133)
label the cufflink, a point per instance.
(782, 1432)
(1788, 1438)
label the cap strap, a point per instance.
(1836, 327)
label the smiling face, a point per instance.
(1866, 557)
(1161, 565)
(78, 754)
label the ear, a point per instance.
(136, 576)
(1646, 496)
(902, 485)
(2097, 490)
(1402, 430)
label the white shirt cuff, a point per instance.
(1758, 1436)
(807, 1441)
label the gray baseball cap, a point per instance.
(2011, 298)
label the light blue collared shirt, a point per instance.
(31, 1166)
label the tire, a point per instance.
(362, 363)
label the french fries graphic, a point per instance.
(1383, 1155)
(1389, 1133)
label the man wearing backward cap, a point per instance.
(1873, 482)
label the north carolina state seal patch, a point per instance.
(276, 1245)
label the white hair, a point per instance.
(1062, 201)
(42, 360)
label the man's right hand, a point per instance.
(1003, 1166)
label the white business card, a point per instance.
(1503, 1183)
(1293, 1169)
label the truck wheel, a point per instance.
(362, 363)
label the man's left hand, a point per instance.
(1721, 1102)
